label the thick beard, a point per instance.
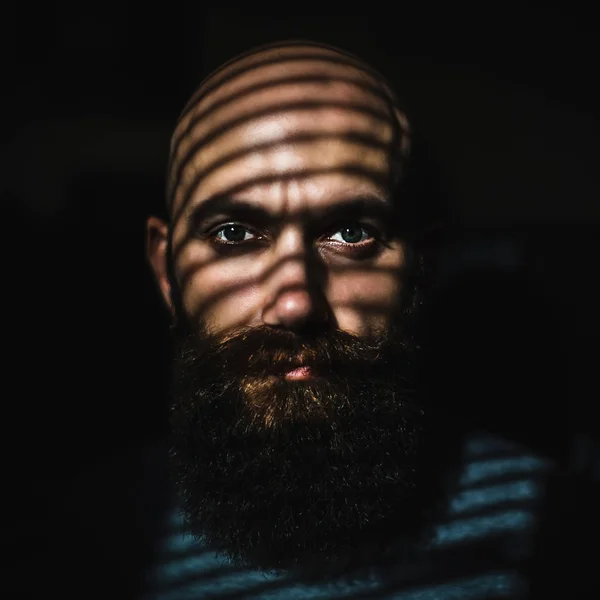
(277, 474)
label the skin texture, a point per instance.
(296, 429)
(294, 136)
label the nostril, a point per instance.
(296, 309)
(293, 307)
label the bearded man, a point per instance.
(301, 447)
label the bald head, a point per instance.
(291, 91)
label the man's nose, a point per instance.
(294, 296)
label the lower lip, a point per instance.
(299, 373)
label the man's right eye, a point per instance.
(233, 233)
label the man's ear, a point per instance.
(157, 232)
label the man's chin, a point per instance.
(295, 483)
(293, 506)
(287, 405)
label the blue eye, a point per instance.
(351, 234)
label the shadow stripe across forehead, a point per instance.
(368, 141)
(278, 108)
(367, 81)
(200, 118)
(179, 164)
(184, 127)
(330, 54)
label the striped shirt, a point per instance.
(480, 548)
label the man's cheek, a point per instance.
(224, 309)
(211, 285)
(363, 304)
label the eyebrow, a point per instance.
(364, 205)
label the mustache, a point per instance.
(262, 349)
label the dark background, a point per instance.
(504, 95)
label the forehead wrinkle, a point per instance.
(209, 161)
(295, 198)
(244, 170)
(378, 178)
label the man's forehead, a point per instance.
(300, 90)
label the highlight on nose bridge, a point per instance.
(291, 306)
(291, 297)
(291, 260)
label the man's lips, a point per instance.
(299, 373)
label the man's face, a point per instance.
(269, 175)
(292, 369)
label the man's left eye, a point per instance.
(351, 234)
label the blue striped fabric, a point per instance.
(494, 508)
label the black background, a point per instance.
(506, 97)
